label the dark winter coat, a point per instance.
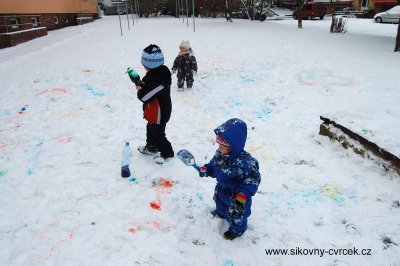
(236, 172)
(185, 64)
(156, 95)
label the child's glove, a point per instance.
(173, 72)
(240, 199)
(203, 171)
(194, 73)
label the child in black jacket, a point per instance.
(157, 105)
(186, 65)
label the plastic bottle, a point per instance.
(134, 76)
(126, 160)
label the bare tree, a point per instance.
(299, 17)
(228, 10)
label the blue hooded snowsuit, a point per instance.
(236, 173)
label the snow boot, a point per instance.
(229, 235)
(215, 214)
(147, 150)
(163, 159)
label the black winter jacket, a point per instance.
(156, 95)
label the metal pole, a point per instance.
(187, 14)
(127, 14)
(133, 20)
(194, 26)
(183, 16)
(138, 7)
(119, 15)
(179, 9)
(137, 21)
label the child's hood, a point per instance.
(234, 131)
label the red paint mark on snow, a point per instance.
(163, 186)
(323, 77)
(59, 244)
(53, 91)
(65, 140)
(139, 226)
(156, 204)
(54, 226)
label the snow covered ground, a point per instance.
(66, 109)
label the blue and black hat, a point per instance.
(152, 56)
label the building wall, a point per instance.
(21, 20)
(47, 6)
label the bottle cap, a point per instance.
(126, 143)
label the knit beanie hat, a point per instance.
(223, 142)
(152, 56)
(185, 44)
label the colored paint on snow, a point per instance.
(89, 88)
(3, 173)
(59, 244)
(334, 191)
(132, 179)
(156, 205)
(52, 91)
(228, 263)
(33, 161)
(320, 77)
(65, 140)
(162, 186)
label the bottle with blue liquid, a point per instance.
(126, 160)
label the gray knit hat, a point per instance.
(152, 56)
(185, 44)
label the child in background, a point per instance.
(186, 65)
(237, 176)
(155, 93)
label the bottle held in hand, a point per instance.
(134, 76)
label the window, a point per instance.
(55, 20)
(34, 22)
(364, 4)
(14, 23)
(67, 19)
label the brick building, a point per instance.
(24, 20)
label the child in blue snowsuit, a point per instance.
(237, 175)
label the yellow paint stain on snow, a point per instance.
(263, 153)
(208, 125)
(189, 101)
(333, 191)
(73, 113)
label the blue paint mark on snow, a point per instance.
(132, 179)
(228, 263)
(200, 196)
(320, 222)
(32, 162)
(89, 88)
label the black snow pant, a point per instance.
(182, 75)
(156, 140)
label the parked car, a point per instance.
(311, 10)
(390, 16)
